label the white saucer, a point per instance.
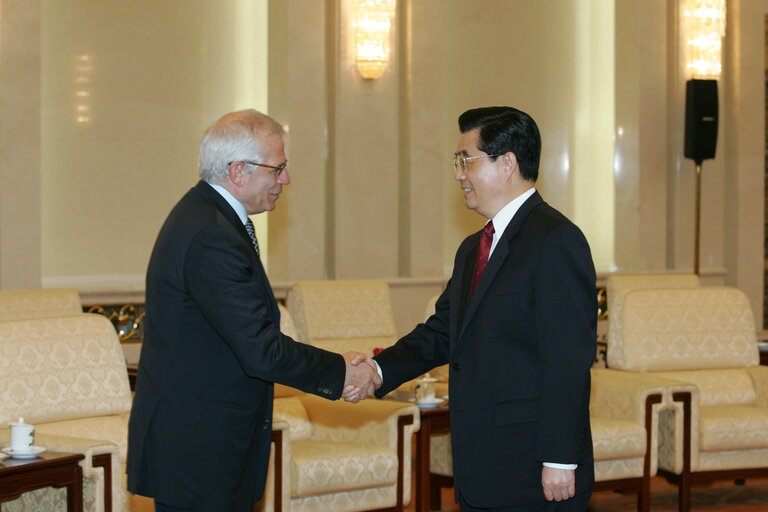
(33, 452)
(429, 404)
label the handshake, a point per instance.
(361, 379)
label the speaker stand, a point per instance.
(697, 221)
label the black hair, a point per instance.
(504, 129)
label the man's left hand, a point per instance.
(558, 484)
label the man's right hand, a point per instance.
(361, 378)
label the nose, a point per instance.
(284, 178)
(458, 174)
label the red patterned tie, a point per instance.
(483, 251)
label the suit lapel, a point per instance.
(495, 263)
(226, 210)
(461, 293)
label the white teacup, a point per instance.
(22, 436)
(425, 389)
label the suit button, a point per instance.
(456, 367)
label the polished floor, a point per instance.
(720, 496)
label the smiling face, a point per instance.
(484, 181)
(256, 187)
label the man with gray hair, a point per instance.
(200, 428)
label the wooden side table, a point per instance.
(133, 371)
(50, 469)
(433, 421)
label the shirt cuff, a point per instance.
(378, 369)
(560, 466)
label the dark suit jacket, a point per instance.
(200, 428)
(520, 352)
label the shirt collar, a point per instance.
(232, 200)
(502, 219)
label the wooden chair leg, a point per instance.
(684, 489)
(434, 495)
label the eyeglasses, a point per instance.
(460, 162)
(276, 169)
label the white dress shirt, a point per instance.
(236, 205)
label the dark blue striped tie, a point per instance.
(252, 233)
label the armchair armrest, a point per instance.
(370, 421)
(101, 463)
(622, 395)
(759, 376)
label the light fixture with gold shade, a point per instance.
(704, 29)
(373, 26)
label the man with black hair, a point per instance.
(517, 325)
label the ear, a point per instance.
(235, 173)
(510, 162)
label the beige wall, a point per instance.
(372, 192)
(127, 88)
(20, 217)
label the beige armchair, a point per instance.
(66, 375)
(704, 338)
(343, 315)
(339, 456)
(617, 287)
(17, 304)
(625, 412)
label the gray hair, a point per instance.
(234, 137)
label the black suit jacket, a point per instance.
(200, 427)
(520, 351)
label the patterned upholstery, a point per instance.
(287, 325)
(339, 456)
(703, 338)
(39, 303)
(622, 422)
(343, 315)
(616, 288)
(66, 375)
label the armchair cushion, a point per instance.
(113, 428)
(17, 304)
(618, 285)
(759, 376)
(686, 329)
(292, 411)
(327, 310)
(321, 467)
(718, 387)
(617, 439)
(733, 428)
(349, 461)
(61, 368)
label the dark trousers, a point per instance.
(159, 507)
(576, 504)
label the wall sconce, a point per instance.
(373, 23)
(705, 24)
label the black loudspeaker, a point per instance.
(700, 119)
